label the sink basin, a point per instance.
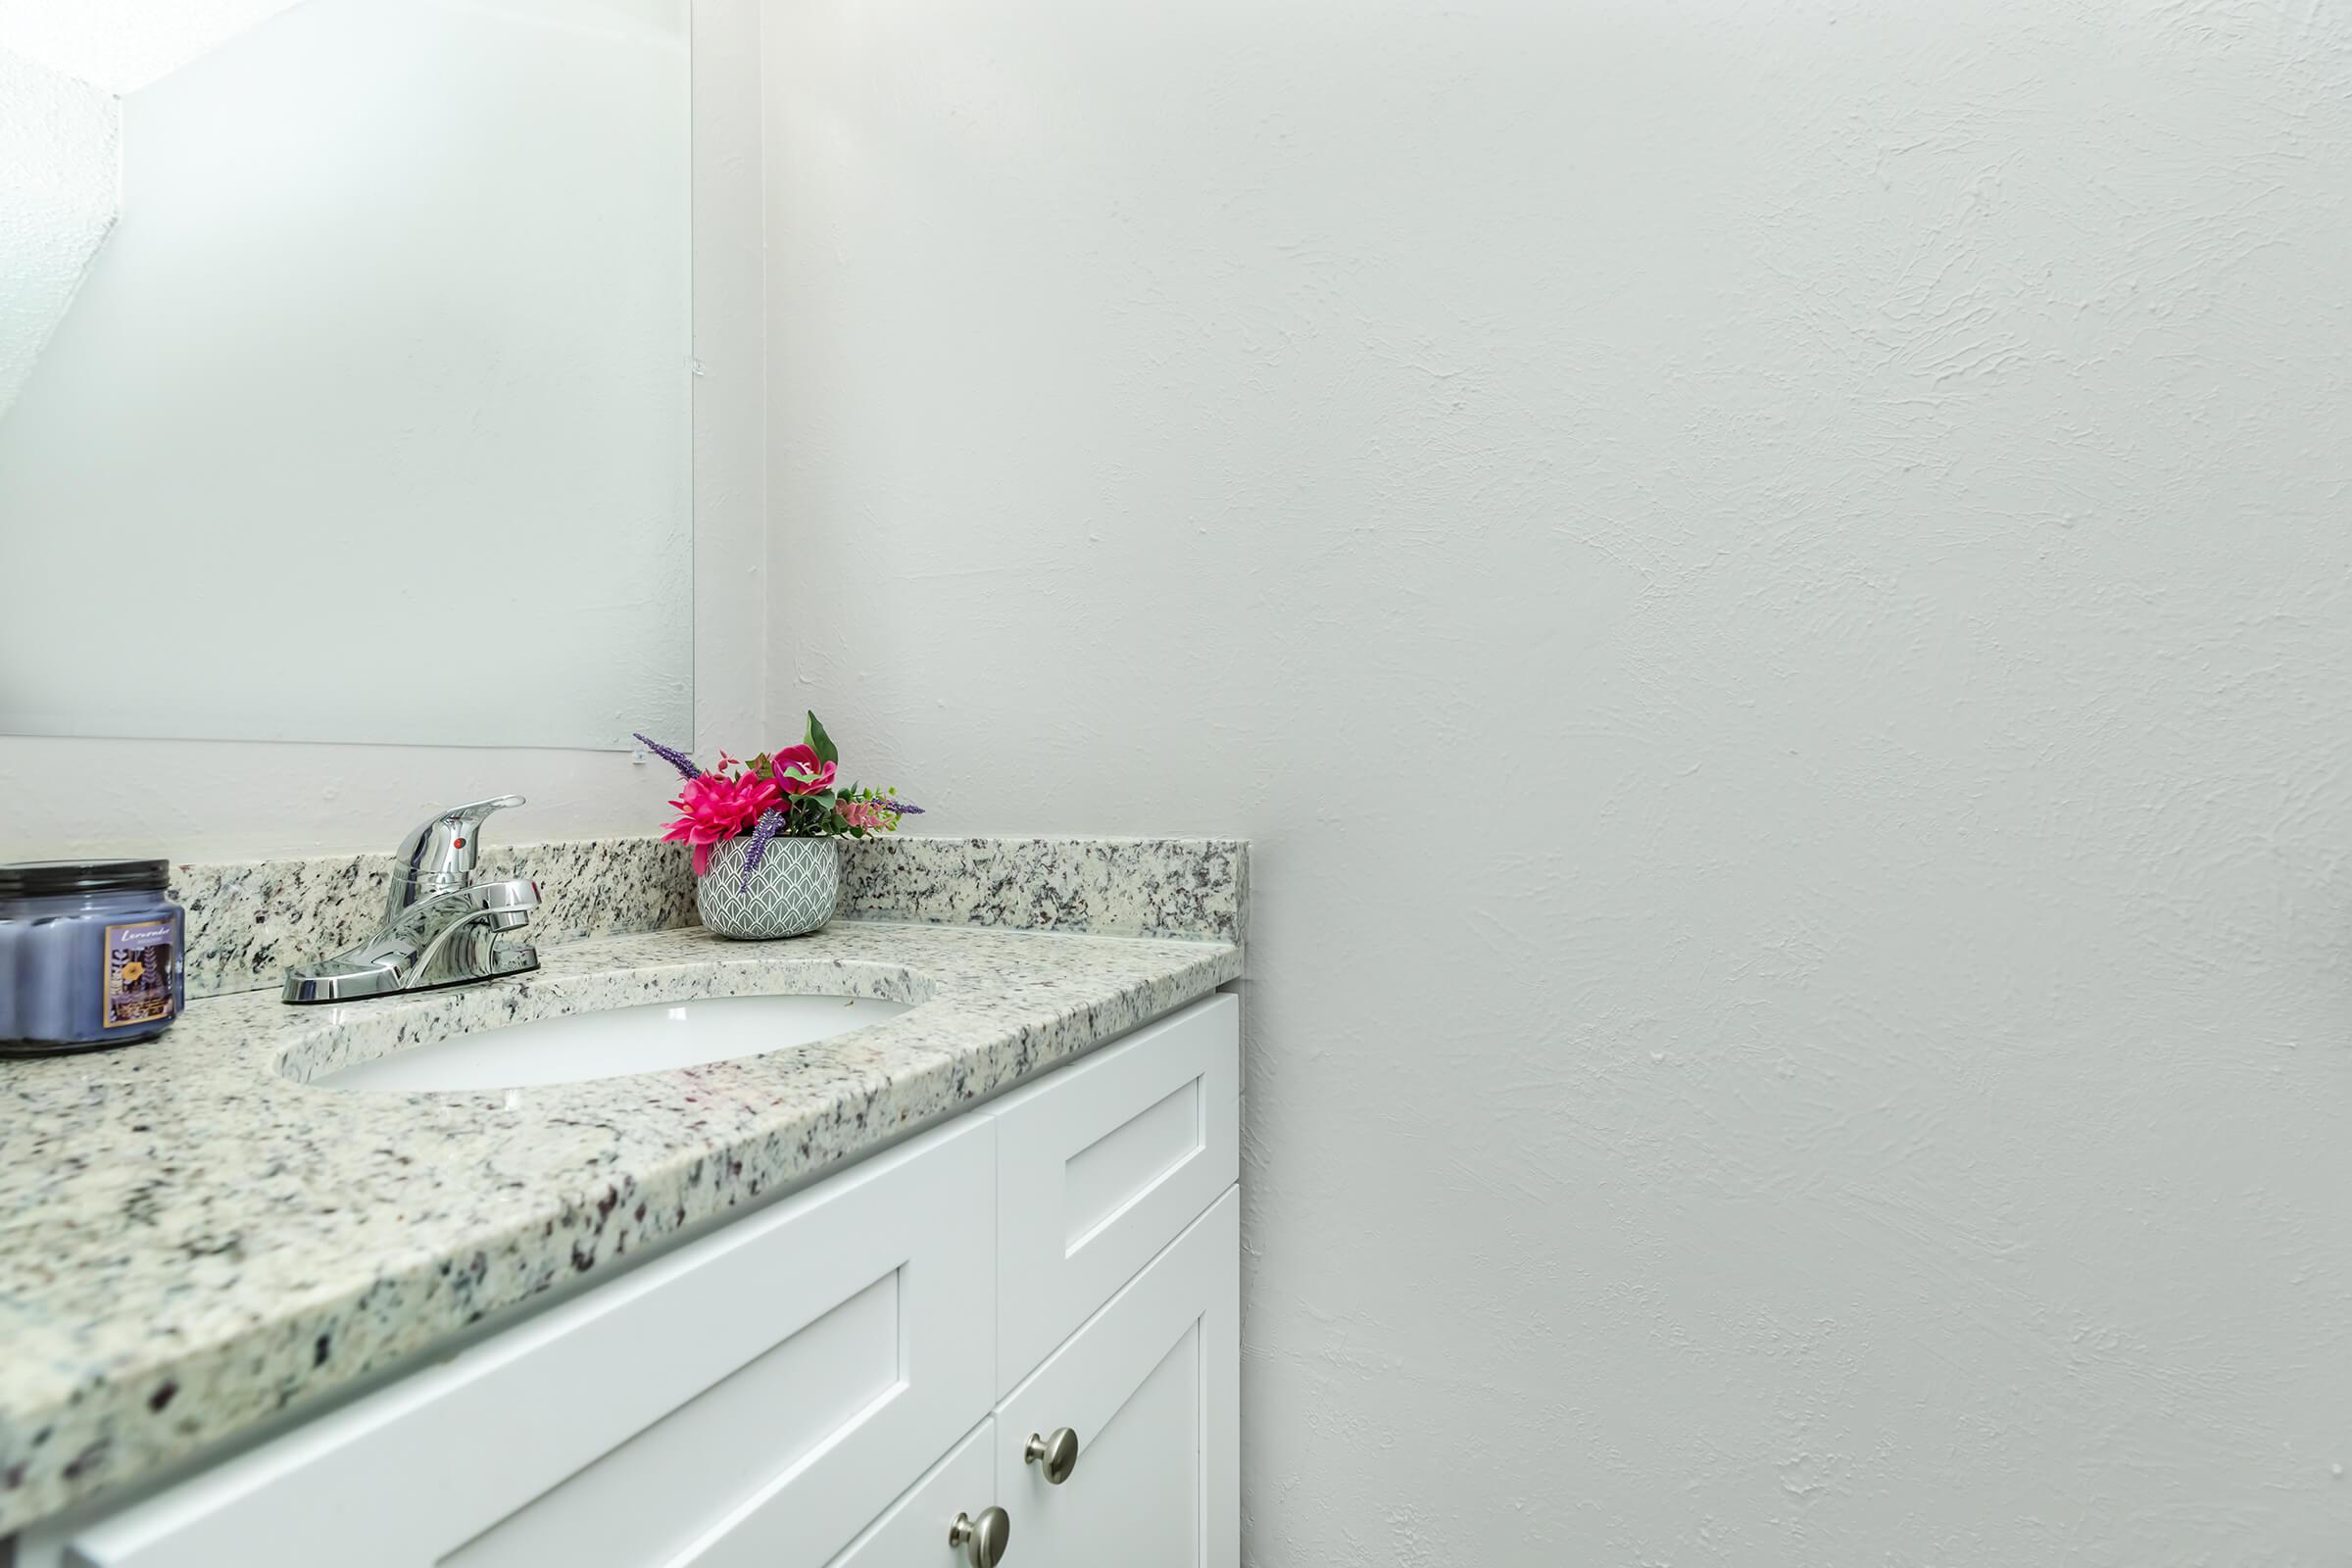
(613, 1043)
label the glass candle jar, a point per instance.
(89, 955)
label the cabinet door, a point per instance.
(914, 1533)
(1151, 1388)
(755, 1397)
(1101, 1165)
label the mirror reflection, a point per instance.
(345, 371)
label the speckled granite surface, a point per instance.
(249, 920)
(192, 1241)
(1191, 888)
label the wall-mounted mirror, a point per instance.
(345, 371)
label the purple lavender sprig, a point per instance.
(891, 802)
(671, 754)
(770, 823)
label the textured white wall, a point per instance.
(1773, 584)
(196, 799)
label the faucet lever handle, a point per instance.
(438, 854)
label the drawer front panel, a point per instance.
(730, 1443)
(760, 1394)
(1151, 1389)
(1103, 1164)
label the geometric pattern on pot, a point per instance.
(790, 895)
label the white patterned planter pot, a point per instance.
(790, 895)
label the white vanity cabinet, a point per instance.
(834, 1380)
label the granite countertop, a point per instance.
(192, 1240)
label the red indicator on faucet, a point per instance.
(457, 844)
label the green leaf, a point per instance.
(821, 743)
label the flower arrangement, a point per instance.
(789, 793)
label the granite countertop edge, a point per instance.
(192, 1243)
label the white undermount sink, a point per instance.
(613, 1043)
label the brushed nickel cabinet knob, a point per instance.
(1057, 1454)
(984, 1539)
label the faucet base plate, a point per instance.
(315, 984)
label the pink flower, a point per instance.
(862, 813)
(799, 772)
(713, 809)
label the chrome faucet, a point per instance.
(441, 927)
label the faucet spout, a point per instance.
(459, 934)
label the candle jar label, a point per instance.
(138, 973)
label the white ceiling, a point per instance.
(65, 65)
(59, 162)
(122, 45)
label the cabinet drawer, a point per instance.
(1103, 1164)
(1151, 1388)
(914, 1533)
(757, 1396)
